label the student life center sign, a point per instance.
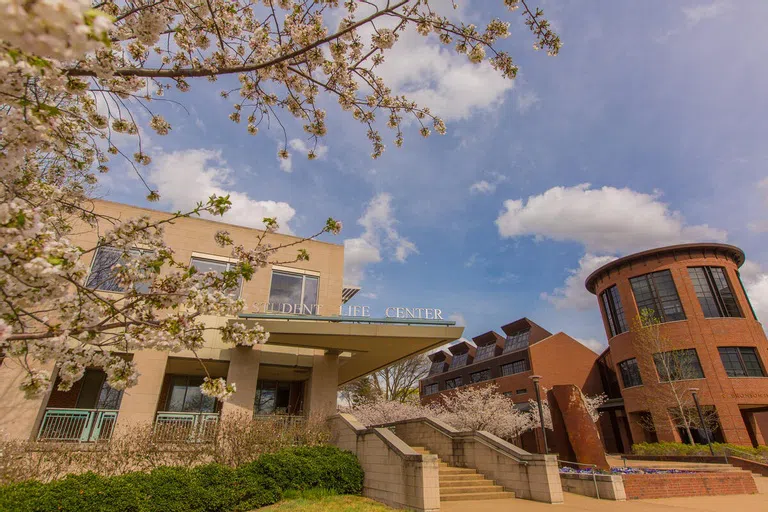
(351, 311)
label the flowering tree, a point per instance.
(591, 402)
(78, 79)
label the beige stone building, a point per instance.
(295, 374)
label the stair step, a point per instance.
(476, 477)
(457, 471)
(477, 496)
(451, 484)
(488, 487)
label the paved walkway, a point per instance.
(741, 503)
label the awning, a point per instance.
(374, 343)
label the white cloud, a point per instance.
(593, 344)
(482, 187)
(573, 294)
(761, 226)
(299, 146)
(185, 177)
(458, 318)
(475, 260)
(379, 235)
(526, 100)
(607, 220)
(369, 295)
(506, 277)
(696, 14)
(755, 280)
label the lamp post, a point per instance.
(701, 419)
(536, 379)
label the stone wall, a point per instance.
(394, 473)
(610, 487)
(688, 484)
(530, 476)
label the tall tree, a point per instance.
(78, 78)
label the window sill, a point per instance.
(633, 387)
(748, 377)
(681, 380)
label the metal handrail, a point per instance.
(594, 475)
(751, 456)
(77, 425)
(194, 426)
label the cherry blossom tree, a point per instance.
(78, 79)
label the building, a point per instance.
(296, 373)
(509, 361)
(696, 292)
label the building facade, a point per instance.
(311, 350)
(509, 361)
(708, 326)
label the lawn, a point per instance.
(319, 501)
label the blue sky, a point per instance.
(648, 129)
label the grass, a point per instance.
(320, 500)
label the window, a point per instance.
(678, 365)
(103, 274)
(430, 389)
(614, 311)
(714, 292)
(630, 373)
(744, 291)
(480, 376)
(458, 360)
(656, 292)
(185, 396)
(205, 265)
(272, 397)
(95, 393)
(741, 362)
(436, 367)
(521, 391)
(514, 367)
(293, 293)
(517, 341)
(485, 352)
(453, 383)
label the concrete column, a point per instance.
(139, 403)
(323, 386)
(732, 423)
(19, 416)
(243, 371)
(750, 416)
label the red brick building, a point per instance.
(509, 361)
(696, 292)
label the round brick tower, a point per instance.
(706, 321)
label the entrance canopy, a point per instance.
(373, 343)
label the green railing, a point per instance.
(77, 425)
(193, 427)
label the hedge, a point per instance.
(699, 449)
(208, 488)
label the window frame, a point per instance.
(624, 364)
(458, 360)
(426, 390)
(484, 371)
(304, 275)
(187, 386)
(210, 258)
(511, 365)
(746, 296)
(518, 340)
(721, 305)
(485, 352)
(436, 367)
(740, 356)
(670, 379)
(454, 384)
(614, 313)
(650, 279)
(131, 251)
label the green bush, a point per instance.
(760, 452)
(209, 488)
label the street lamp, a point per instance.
(536, 379)
(701, 419)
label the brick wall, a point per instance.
(689, 484)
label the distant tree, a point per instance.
(397, 382)
(675, 367)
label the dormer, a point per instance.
(522, 333)
(463, 354)
(489, 344)
(439, 362)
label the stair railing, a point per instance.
(594, 472)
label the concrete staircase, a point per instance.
(461, 484)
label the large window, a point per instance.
(614, 311)
(185, 396)
(436, 367)
(453, 383)
(517, 341)
(485, 352)
(514, 367)
(630, 373)
(741, 362)
(458, 360)
(656, 292)
(95, 393)
(430, 389)
(272, 397)
(206, 265)
(480, 376)
(103, 274)
(678, 365)
(714, 291)
(293, 293)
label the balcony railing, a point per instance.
(193, 427)
(285, 420)
(77, 425)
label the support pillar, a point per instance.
(323, 386)
(244, 372)
(139, 403)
